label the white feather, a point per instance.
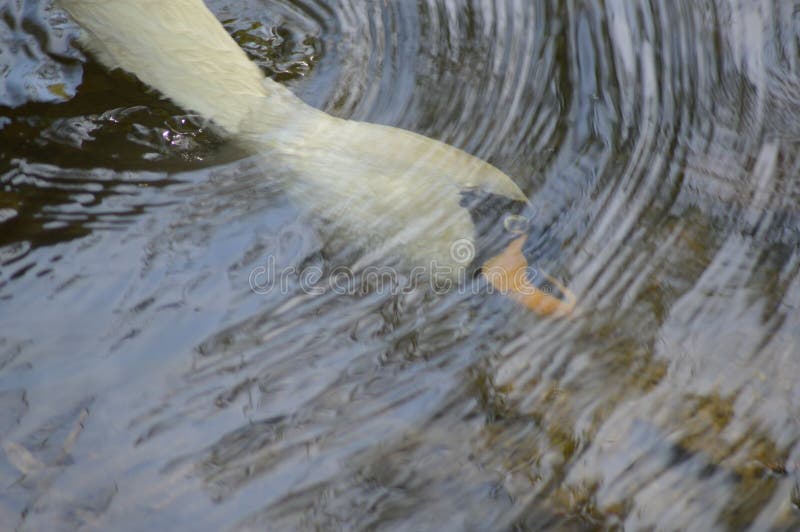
(386, 188)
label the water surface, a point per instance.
(144, 384)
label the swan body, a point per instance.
(389, 190)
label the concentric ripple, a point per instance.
(151, 376)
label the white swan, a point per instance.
(385, 188)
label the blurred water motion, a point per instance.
(144, 385)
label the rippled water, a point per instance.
(144, 385)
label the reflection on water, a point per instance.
(144, 384)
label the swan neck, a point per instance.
(179, 48)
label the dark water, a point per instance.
(145, 385)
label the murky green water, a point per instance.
(145, 385)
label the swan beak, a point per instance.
(510, 274)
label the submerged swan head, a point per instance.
(388, 190)
(507, 253)
(407, 197)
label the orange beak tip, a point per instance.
(508, 272)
